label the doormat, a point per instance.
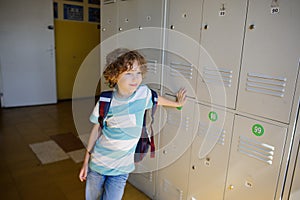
(48, 152)
(68, 142)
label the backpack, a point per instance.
(145, 140)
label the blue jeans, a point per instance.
(104, 187)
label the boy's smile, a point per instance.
(129, 81)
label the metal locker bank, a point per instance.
(238, 135)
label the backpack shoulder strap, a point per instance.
(104, 104)
(154, 101)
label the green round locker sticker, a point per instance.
(213, 116)
(258, 130)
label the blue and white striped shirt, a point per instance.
(113, 153)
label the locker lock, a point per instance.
(172, 27)
(231, 187)
(252, 26)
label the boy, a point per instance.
(110, 152)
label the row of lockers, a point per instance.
(247, 50)
(212, 154)
(242, 55)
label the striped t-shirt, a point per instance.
(113, 153)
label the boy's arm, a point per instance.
(92, 140)
(180, 100)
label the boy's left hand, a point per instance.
(181, 97)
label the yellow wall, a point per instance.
(74, 40)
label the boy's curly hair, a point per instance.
(119, 61)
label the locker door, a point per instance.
(182, 44)
(127, 15)
(109, 18)
(150, 13)
(174, 153)
(208, 171)
(185, 17)
(222, 37)
(144, 175)
(255, 159)
(270, 59)
(179, 73)
(153, 76)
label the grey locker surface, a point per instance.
(179, 73)
(255, 159)
(185, 17)
(174, 153)
(153, 76)
(295, 189)
(109, 19)
(127, 15)
(208, 174)
(270, 60)
(182, 44)
(222, 38)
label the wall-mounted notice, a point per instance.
(55, 10)
(75, 0)
(73, 12)
(94, 14)
(97, 2)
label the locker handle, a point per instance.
(120, 29)
(172, 27)
(205, 26)
(50, 27)
(231, 187)
(252, 27)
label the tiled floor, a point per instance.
(22, 176)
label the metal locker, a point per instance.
(179, 73)
(154, 66)
(185, 17)
(209, 164)
(127, 14)
(150, 13)
(144, 175)
(270, 60)
(174, 152)
(295, 189)
(182, 44)
(255, 159)
(109, 19)
(222, 40)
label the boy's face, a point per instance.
(130, 80)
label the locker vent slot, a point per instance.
(260, 151)
(173, 119)
(265, 84)
(152, 66)
(147, 175)
(179, 69)
(217, 76)
(108, 1)
(202, 129)
(170, 191)
(221, 140)
(214, 133)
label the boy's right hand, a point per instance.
(83, 172)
